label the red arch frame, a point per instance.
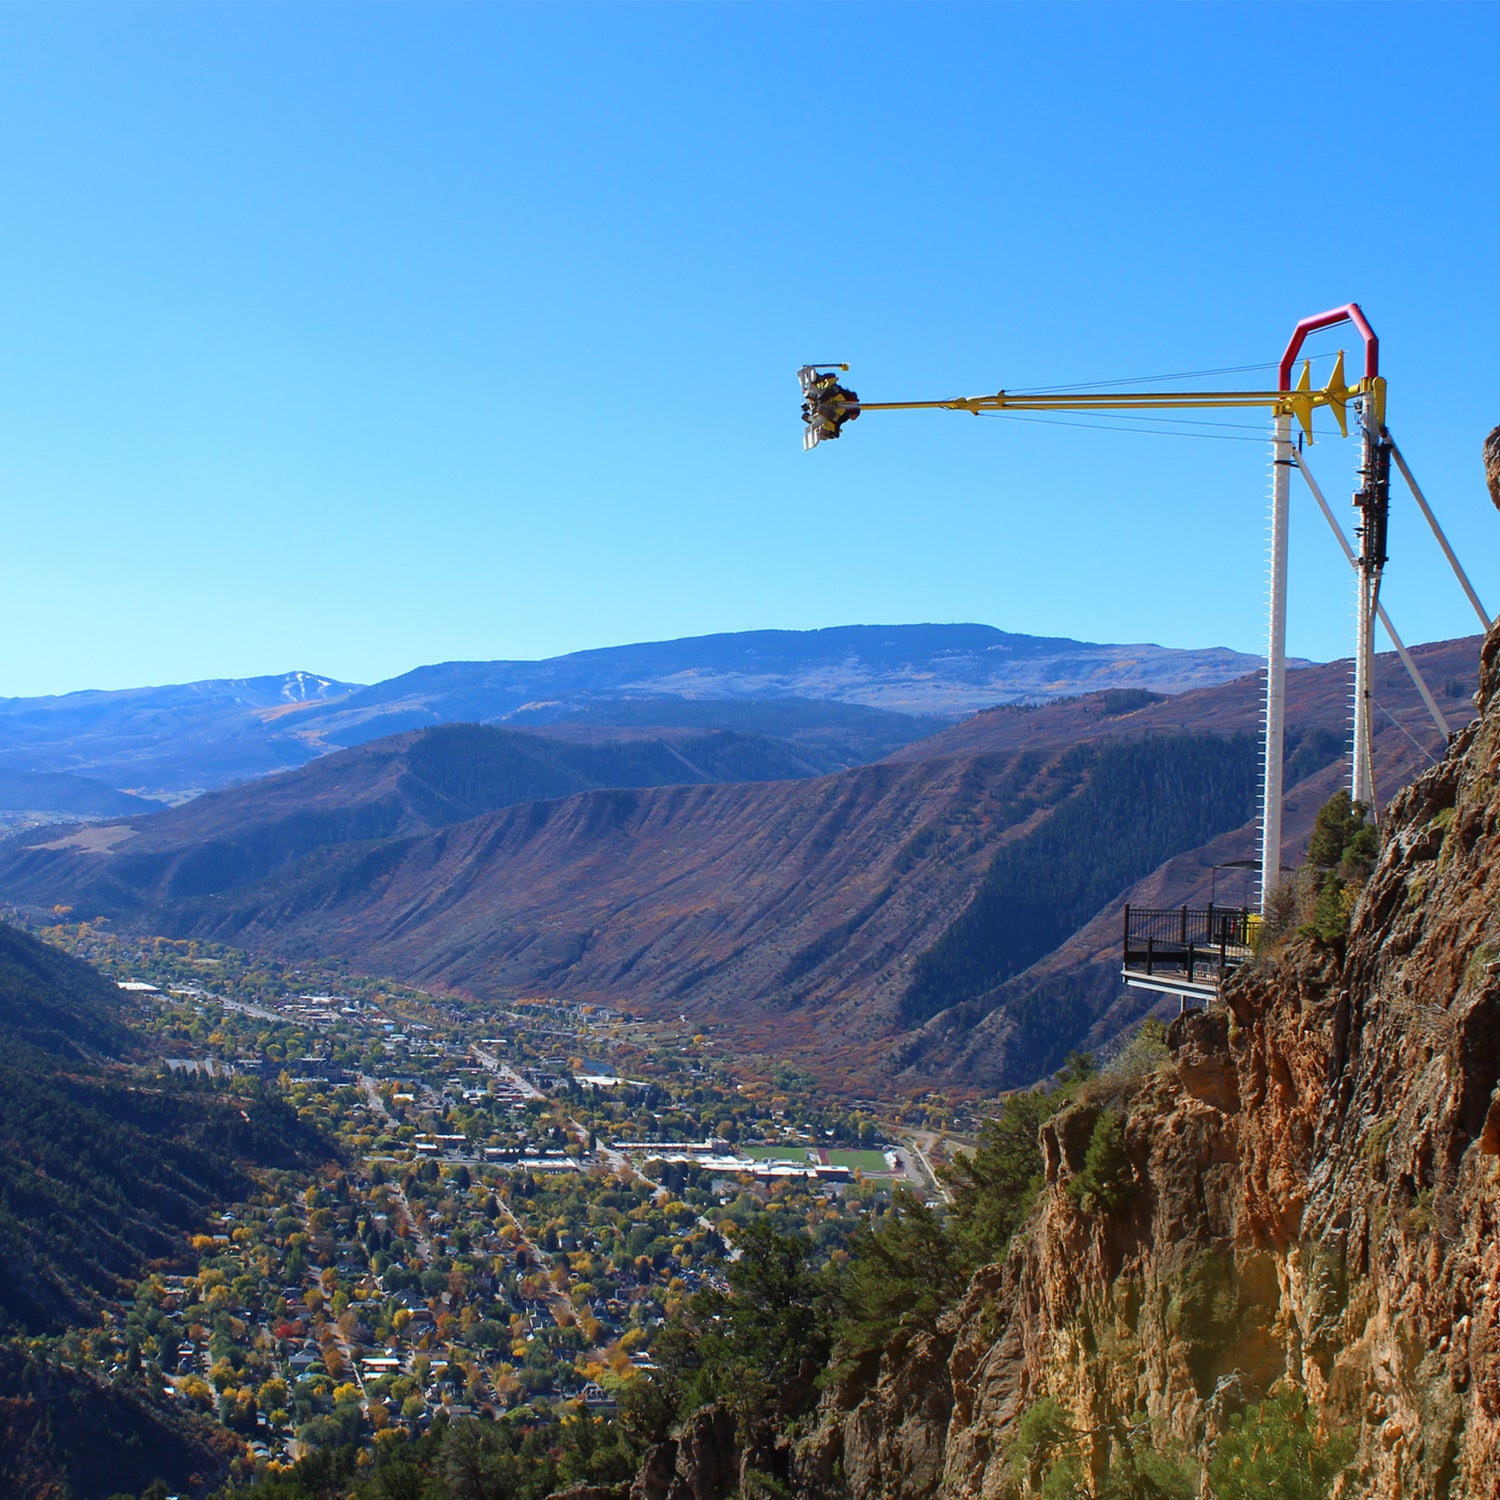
(1349, 313)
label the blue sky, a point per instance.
(355, 337)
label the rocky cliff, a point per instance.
(1308, 1194)
(1304, 1195)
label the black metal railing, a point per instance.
(1199, 943)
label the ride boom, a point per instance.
(828, 406)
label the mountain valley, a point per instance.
(880, 925)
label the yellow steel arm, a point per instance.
(829, 405)
(1300, 403)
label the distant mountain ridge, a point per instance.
(942, 671)
(174, 739)
(843, 695)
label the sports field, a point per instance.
(788, 1152)
(856, 1161)
(860, 1161)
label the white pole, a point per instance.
(1412, 670)
(1361, 787)
(1270, 814)
(1437, 531)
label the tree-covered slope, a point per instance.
(104, 1167)
(56, 1007)
(830, 736)
(1137, 804)
(68, 1434)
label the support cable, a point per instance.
(1413, 671)
(1085, 385)
(1217, 437)
(1404, 730)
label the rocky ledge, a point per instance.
(1309, 1195)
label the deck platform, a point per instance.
(1185, 951)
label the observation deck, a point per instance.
(1186, 951)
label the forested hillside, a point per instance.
(69, 1434)
(1137, 803)
(830, 736)
(105, 1167)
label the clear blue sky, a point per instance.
(354, 337)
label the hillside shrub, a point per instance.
(1341, 853)
(1274, 1452)
(1141, 1472)
(994, 1186)
(762, 1344)
(1107, 1179)
(1318, 900)
(1342, 840)
(1044, 1455)
(1047, 1459)
(900, 1279)
(1144, 1054)
(906, 1272)
(1286, 907)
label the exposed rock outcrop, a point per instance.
(702, 1462)
(1311, 1197)
(1492, 465)
(891, 1444)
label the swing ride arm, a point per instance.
(827, 405)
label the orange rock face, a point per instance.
(1313, 1199)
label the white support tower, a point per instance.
(1282, 461)
(1418, 681)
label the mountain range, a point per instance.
(841, 697)
(947, 914)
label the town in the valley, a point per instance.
(521, 1196)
